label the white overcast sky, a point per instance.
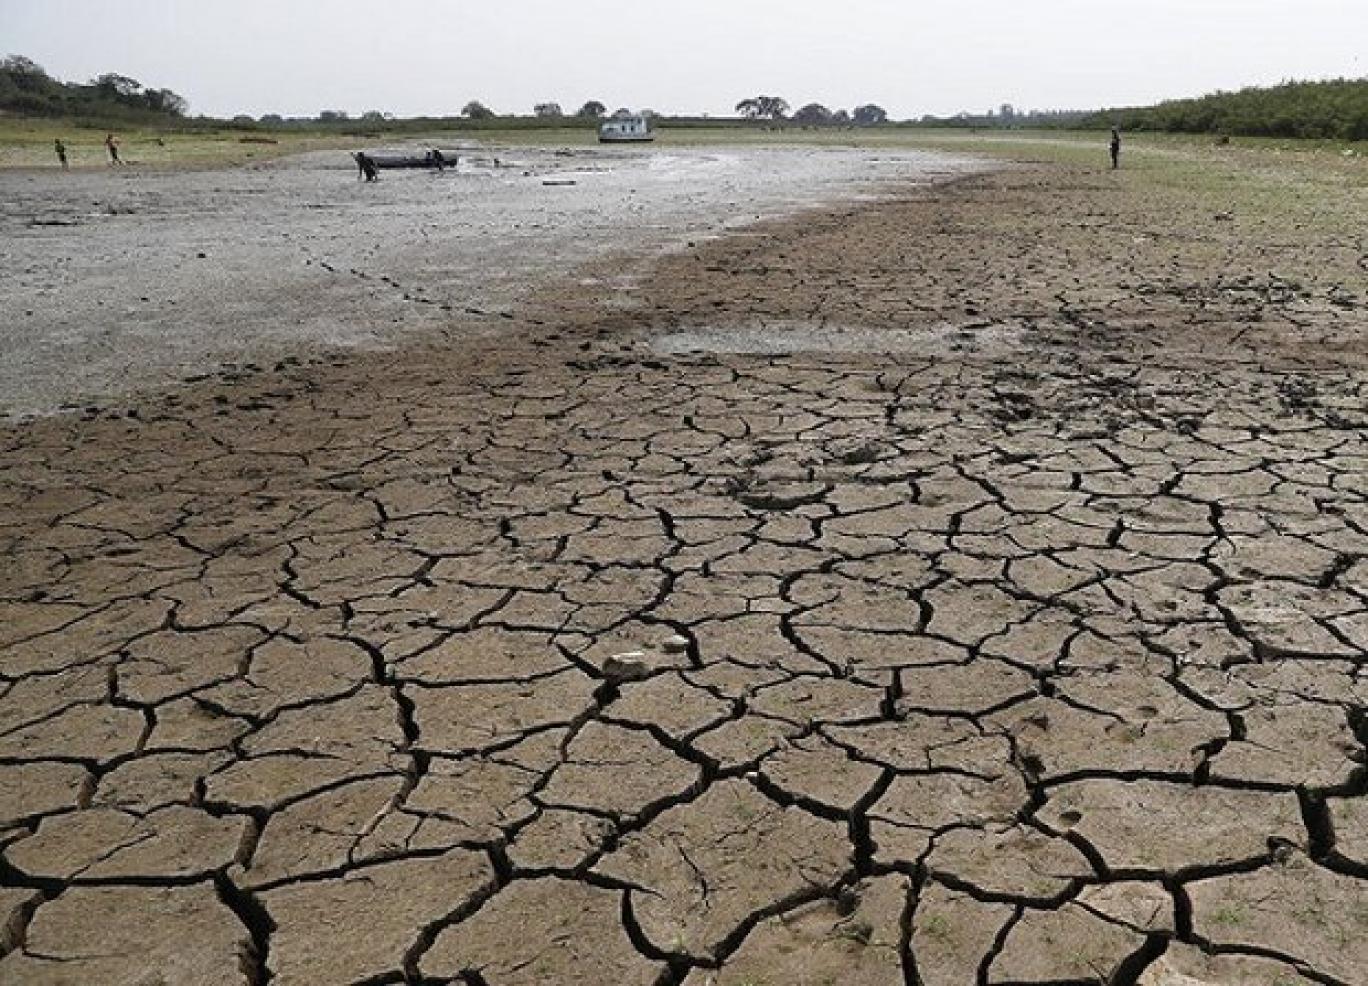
(413, 57)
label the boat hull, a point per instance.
(395, 160)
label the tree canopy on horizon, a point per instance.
(27, 88)
(1335, 109)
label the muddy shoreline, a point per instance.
(123, 279)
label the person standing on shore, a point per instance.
(1115, 148)
(366, 167)
(60, 148)
(112, 145)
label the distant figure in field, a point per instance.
(1116, 148)
(60, 148)
(438, 159)
(112, 145)
(366, 167)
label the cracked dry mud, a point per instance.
(1021, 642)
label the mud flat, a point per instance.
(969, 587)
(125, 279)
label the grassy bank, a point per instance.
(1293, 183)
(27, 142)
(1278, 179)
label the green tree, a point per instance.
(165, 101)
(1335, 109)
(763, 108)
(813, 114)
(591, 110)
(548, 110)
(476, 110)
(869, 115)
(25, 73)
(114, 86)
(26, 88)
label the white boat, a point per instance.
(626, 130)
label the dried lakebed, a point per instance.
(124, 279)
(1037, 659)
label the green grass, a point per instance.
(27, 142)
(936, 926)
(1297, 182)
(1229, 915)
(1063, 145)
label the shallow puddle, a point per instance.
(781, 338)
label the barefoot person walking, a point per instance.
(112, 145)
(1115, 148)
(60, 148)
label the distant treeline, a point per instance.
(26, 89)
(1334, 110)
(1007, 117)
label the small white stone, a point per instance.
(630, 666)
